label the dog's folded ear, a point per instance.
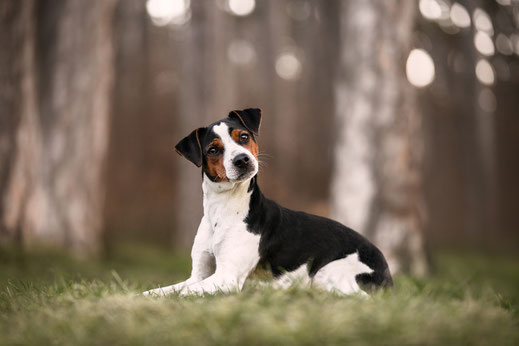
(190, 146)
(250, 118)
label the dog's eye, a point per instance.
(244, 138)
(212, 151)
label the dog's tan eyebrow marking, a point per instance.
(217, 142)
(235, 134)
(251, 146)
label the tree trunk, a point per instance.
(376, 187)
(16, 93)
(57, 105)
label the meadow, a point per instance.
(50, 298)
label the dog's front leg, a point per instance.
(218, 282)
(203, 262)
(236, 256)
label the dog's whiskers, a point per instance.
(261, 165)
(265, 156)
(263, 160)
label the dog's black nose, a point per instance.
(241, 160)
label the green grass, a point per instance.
(50, 298)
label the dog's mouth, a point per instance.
(243, 174)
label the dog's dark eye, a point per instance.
(212, 151)
(244, 138)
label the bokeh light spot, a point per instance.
(434, 9)
(288, 66)
(485, 72)
(164, 12)
(241, 52)
(482, 21)
(241, 7)
(430, 9)
(460, 16)
(483, 43)
(420, 68)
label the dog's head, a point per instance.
(227, 149)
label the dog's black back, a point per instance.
(290, 239)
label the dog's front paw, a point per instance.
(194, 290)
(188, 292)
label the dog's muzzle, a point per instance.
(243, 166)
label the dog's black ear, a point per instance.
(190, 146)
(250, 118)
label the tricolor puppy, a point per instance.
(241, 228)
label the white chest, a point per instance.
(226, 210)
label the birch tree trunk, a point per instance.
(376, 187)
(56, 101)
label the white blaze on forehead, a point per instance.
(229, 144)
(230, 150)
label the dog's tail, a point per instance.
(387, 280)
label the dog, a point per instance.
(241, 229)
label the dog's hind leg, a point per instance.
(298, 277)
(340, 275)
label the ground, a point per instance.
(49, 298)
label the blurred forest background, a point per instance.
(398, 118)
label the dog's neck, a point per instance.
(226, 199)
